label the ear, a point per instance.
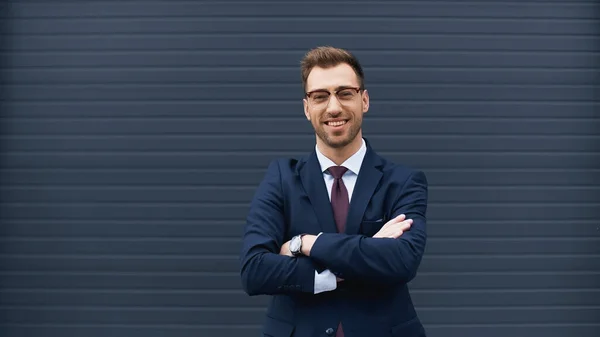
(365, 101)
(305, 102)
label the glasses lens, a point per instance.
(346, 94)
(319, 97)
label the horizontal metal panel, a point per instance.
(260, 160)
(234, 330)
(165, 264)
(91, 315)
(250, 177)
(228, 281)
(296, 142)
(238, 176)
(286, 58)
(124, 280)
(286, 126)
(522, 178)
(481, 298)
(129, 228)
(543, 226)
(502, 280)
(133, 298)
(152, 261)
(267, 92)
(230, 299)
(330, 9)
(298, 25)
(256, 75)
(153, 315)
(204, 211)
(215, 194)
(199, 246)
(137, 330)
(232, 194)
(525, 246)
(510, 315)
(498, 194)
(189, 228)
(542, 262)
(302, 42)
(292, 108)
(511, 329)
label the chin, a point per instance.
(337, 141)
(339, 144)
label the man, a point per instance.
(336, 236)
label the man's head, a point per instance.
(335, 99)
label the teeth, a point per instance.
(337, 123)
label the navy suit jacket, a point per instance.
(373, 300)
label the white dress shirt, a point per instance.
(326, 280)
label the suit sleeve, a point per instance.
(263, 270)
(381, 260)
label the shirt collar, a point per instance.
(353, 163)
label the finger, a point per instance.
(397, 219)
(404, 229)
(405, 225)
(400, 217)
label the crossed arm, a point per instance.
(391, 230)
(391, 256)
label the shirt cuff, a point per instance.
(325, 281)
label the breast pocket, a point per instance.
(371, 227)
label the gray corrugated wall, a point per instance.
(134, 134)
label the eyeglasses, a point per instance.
(320, 98)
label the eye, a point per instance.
(346, 93)
(320, 96)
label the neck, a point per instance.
(341, 154)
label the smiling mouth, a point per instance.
(336, 123)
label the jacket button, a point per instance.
(329, 332)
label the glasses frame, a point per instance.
(335, 92)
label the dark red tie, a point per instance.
(340, 204)
(339, 197)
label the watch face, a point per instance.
(295, 244)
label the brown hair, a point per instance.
(326, 57)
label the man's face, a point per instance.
(337, 119)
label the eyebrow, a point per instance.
(335, 89)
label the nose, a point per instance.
(334, 106)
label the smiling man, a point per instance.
(336, 236)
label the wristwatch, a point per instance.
(296, 245)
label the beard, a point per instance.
(338, 140)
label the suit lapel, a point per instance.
(365, 186)
(314, 185)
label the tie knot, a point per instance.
(337, 171)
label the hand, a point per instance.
(307, 242)
(285, 249)
(394, 228)
(339, 279)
